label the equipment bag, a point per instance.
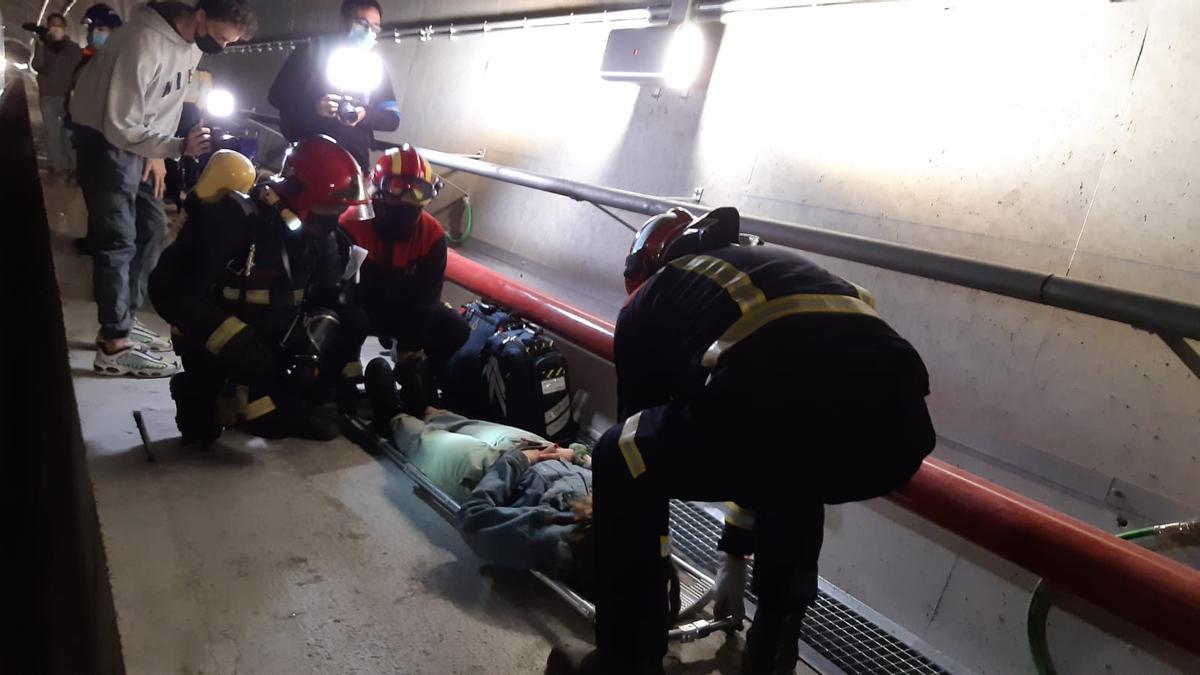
(462, 380)
(526, 380)
(509, 371)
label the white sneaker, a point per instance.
(149, 338)
(135, 361)
(145, 337)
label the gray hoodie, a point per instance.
(132, 91)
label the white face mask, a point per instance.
(56, 33)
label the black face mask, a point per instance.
(208, 44)
(396, 222)
(320, 225)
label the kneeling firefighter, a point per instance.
(720, 343)
(252, 289)
(402, 276)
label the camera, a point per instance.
(348, 111)
(40, 31)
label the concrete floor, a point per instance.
(288, 557)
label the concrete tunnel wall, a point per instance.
(1057, 136)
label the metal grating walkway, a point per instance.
(835, 631)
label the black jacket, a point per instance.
(301, 83)
(200, 283)
(665, 329)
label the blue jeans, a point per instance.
(126, 226)
(58, 138)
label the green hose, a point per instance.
(467, 230)
(1040, 600)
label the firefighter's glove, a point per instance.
(729, 588)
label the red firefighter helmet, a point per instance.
(402, 176)
(319, 172)
(677, 233)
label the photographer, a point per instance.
(310, 104)
(55, 58)
(125, 110)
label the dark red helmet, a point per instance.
(677, 233)
(402, 176)
(319, 172)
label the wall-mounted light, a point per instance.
(679, 56)
(685, 57)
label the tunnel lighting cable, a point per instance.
(648, 16)
(1183, 533)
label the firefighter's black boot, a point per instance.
(414, 375)
(195, 411)
(772, 644)
(381, 391)
(268, 417)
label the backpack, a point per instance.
(526, 381)
(509, 371)
(461, 382)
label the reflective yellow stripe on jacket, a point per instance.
(629, 449)
(757, 311)
(220, 337)
(258, 296)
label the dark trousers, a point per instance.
(208, 375)
(780, 439)
(126, 226)
(438, 330)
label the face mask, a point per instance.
(98, 38)
(362, 35)
(208, 44)
(396, 222)
(56, 33)
(320, 225)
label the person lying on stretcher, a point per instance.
(525, 503)
(451, 450)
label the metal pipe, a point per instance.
(1141, 310)
(1156, 593)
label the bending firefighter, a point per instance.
(402, 276)
(252, 290)
(718, 338)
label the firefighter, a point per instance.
(402, 276)
(720, 342)
(252, 288)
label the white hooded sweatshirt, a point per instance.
(132, 91)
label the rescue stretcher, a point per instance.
(695, 587)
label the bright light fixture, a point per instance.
(354, 70)
(760, 5)
(685, 57)
(220, 103)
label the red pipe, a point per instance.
(1143, 587)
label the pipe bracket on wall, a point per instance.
(1184, 350)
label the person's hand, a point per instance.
(328, 105)
(729, 588)
(556, 452)
(198, 142)
(360, 114)
(156, 170)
